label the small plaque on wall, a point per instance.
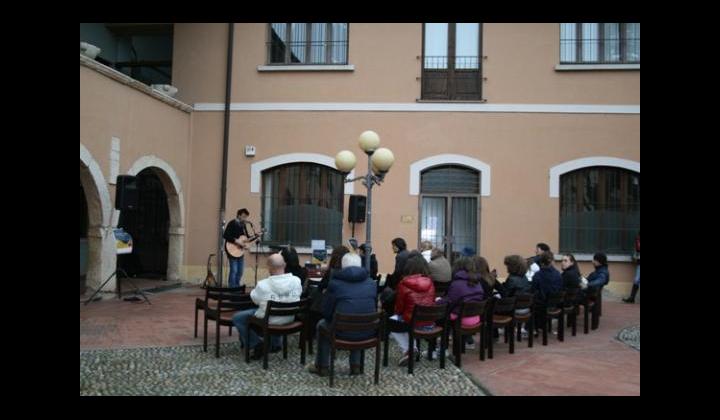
(407, 219)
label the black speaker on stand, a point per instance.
(126, 193)
(126, 198)
(357, 210)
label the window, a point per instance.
(449, 211)
(600, 43)
(301, 202)
(308, 43)
(599, 210)
(451, 61)
(450, 179)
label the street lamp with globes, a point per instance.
(380, 160)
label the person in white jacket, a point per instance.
(279, 287)
(426, 250)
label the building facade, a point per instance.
(504, 135)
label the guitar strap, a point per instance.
(241, 226)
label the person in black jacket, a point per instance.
(400, 248)
(571, 273)
(234, 229)
(335, 264)
(373, 261)
(315, 294)
(292, 263)
(545, 282)
(516, 282)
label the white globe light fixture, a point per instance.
(345, 161)
(380, 159)
(369, 141)
(383, 159)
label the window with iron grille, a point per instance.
(599, 43)
(450, 179)
(599, 210)
(307, 43)
(301, 202)
(449, 208)
(452, 61)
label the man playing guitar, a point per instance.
(237, 240)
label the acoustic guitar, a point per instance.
(238, 251)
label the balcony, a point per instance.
(454, 78)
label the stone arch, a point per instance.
(571, 165)
(257, 167)
(176, 206)
(101, 242)
(450, 159)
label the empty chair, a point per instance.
(219, 305)
(200, 304)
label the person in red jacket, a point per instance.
(415, 288)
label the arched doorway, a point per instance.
(83, 239)
(450, 208)
(149, 226)
(95, 205)
(158, 183)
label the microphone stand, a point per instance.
(257, 252)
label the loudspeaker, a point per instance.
(126, 192)
(356, 210)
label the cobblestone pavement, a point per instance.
(630, 336)
(136, 348)
(187, 370)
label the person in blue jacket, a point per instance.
(350, 291)
(601, 276)
(546, 281)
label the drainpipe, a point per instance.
(223, 187)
